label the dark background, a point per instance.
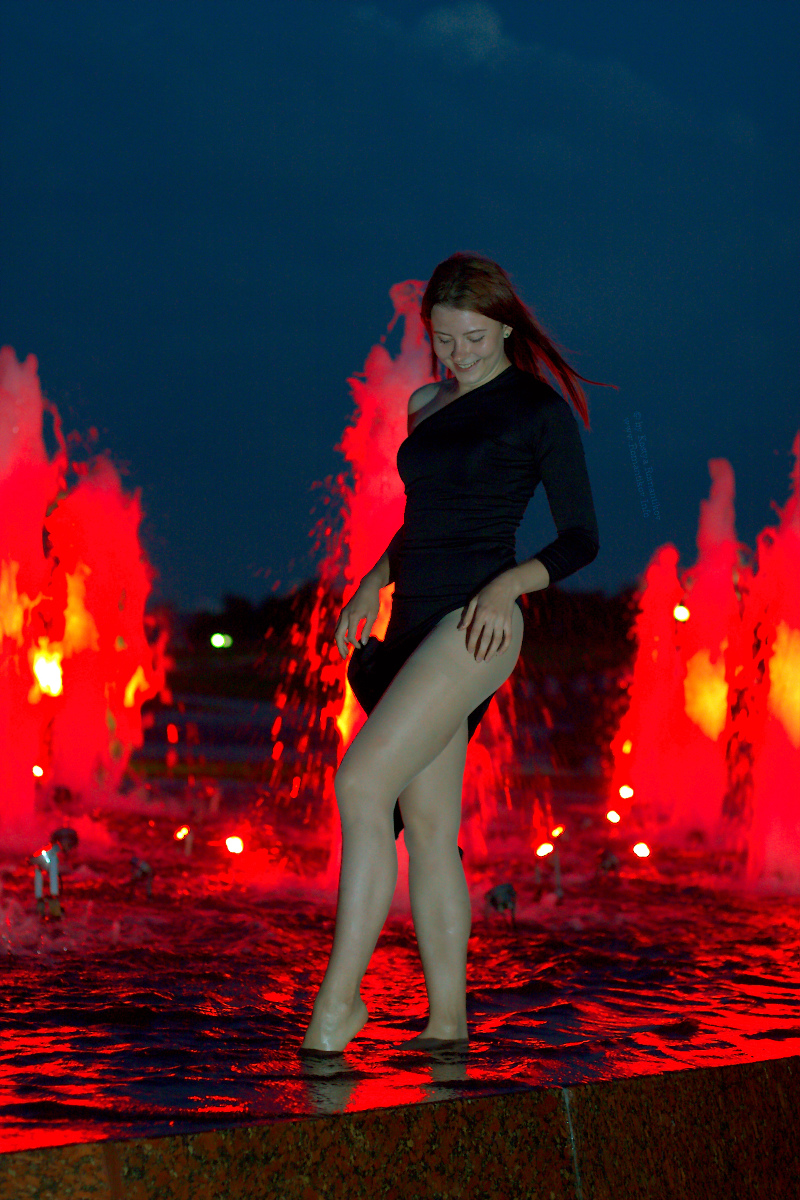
(204, 206)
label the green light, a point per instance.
(221, 641)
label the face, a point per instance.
(471, 345)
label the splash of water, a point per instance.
(709, 749)
(75, 660)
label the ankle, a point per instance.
(447, 1027)
(330, 1029)
(334, 1005)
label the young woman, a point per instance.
(478, 445)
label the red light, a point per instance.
(234, 844)
(172, 734)
(545, 848)
(641, 850)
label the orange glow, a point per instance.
(136, 683)
(13, 606)
(706, 692)
(641, 850)
(613, 816)
(626, 791)
(784, 681)
(172, 734)
(181, 833)
(46, 667)
(627, 746)
(545, 848)
(557, 832)
(38, 772)
(80, 630)
(234, 844)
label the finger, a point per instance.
(478, 638)
(467, 614)
(474, 637)
(482, 637)
(489, 649)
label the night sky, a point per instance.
(204, 206)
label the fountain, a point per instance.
(709, 748)
(75, 660)
(153, 1028)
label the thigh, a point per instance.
(419, 713)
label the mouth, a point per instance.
(466, 366)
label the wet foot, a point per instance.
(330, 1031)
(423, 1042)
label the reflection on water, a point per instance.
(147, 1016)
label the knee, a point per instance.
(427, 835)
(354, 799)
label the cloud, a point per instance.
(471, 32)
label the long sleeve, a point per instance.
(562, 465)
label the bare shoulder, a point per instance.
(422, 396)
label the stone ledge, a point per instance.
(717, 1132)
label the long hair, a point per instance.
(476, 284)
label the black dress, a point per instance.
(469, 471)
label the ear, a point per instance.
(507, 331)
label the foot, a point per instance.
(334, 1026)
(422, 1042)
(440, 1034)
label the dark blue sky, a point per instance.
(204, 206)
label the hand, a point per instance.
(363, 605)
(490, 612)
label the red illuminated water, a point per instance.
(75, 661)
(709, 748)
(137, 1017)
(176, 1000)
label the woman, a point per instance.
(477, 447)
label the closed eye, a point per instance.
(441, 337)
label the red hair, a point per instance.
(476, 284)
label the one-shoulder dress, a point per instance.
(469, 471)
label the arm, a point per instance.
(364, 604)
(556, 447)
(562, 466)
(383, 572)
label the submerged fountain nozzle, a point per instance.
(142, 870)
(502, 898)
(46, 861)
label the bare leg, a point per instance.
(419, 715)
(431, 808)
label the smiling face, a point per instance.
(471, 345)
